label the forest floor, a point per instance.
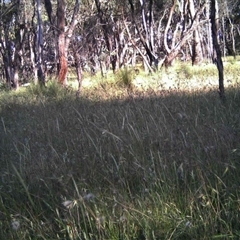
(134, 157)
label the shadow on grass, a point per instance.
(133, 155)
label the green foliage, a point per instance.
(4, 87)
(186, 71)
(125, 77)
(159, 165)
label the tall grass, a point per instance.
(157, 165)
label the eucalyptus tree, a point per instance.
(63, 65)
(64, 33)
(183, 32)
(65, 36)
(145, 30)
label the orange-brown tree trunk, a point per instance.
(63, 65)
(62, 75)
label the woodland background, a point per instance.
(44, 38)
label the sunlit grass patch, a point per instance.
(182, 77)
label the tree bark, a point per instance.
(63, 65)
(64, 38)
(218, 58)
(176, 49)
(79, 71)
(166, 32)
(197, 55)
(17, 56)
(172, 52)
(40, 72)
(7, 52)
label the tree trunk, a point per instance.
(16, 61)
(167, 28)
(63, 65)
(197, 55)
(218, 58)
(172, 52)
(209, 41)
(175, 51)
(40, 72)
(31, 43)
(72, 26)
(79, 71)
(7, 60)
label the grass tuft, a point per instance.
(125, 78)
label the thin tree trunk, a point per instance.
(74, 21)
(63, 65)
(224, 37)
(209, 31)
(233, 38)
(31, 43)
(16, 60)
(40, 72)
(166, 32)
(79, 71)
(7, 60)
(216, 46)
(197, 55)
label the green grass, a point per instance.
(155, 164)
